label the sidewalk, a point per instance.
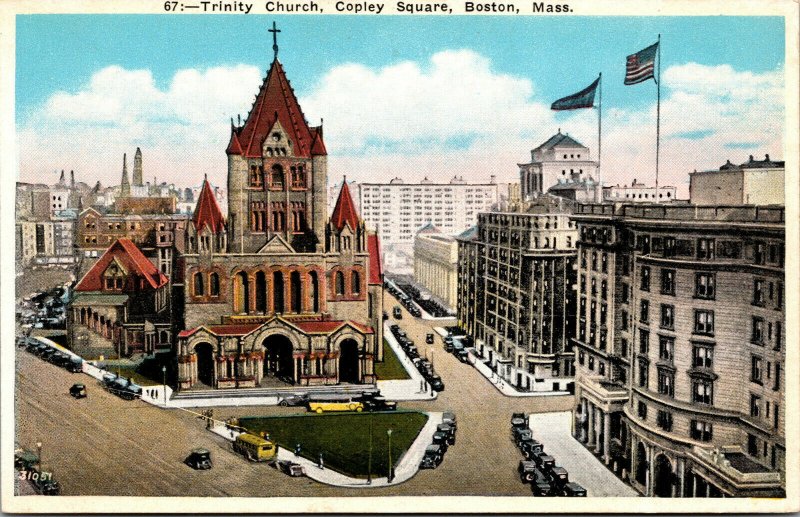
(404, 470)
(501, 385)
(403, 389)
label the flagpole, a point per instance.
(600, 139)
(658, 113)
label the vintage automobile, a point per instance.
(255, 448)
(429, 339)
(462, 355)
(539, 485)
(75, 364)
(78, 390)
(436, 382)
(527, 471)
(558, 478)
(290, 468)
(378, 403)
(432, 458)
(397, 312)
(544, 461)
(441, 438)
(573, 489)
(521, 434)
(448, 417)
(519, 420)
(296, 399)
(529, 447)
(199, 459)
(449, 431)
(335, 405)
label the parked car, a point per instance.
(291, 468)
(436, 383)
(429, 339)
(449, 431)
(573, 489)
(385, 316)
(448, 346)
(527, 471)
(47, 353)
(78, 390)
(294, 400)
(558, 478)
(75, 364)
(521, 434)
(376, 402)
(440, 438)
(432, 458)
(529, 447)
(397, 312)
(199, 459)
(449, 418)
(462, 355)
(544, 462)
(540, 486)
(519, 420)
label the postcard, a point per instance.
(341, 256)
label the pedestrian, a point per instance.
(321, 463)
(297, 450)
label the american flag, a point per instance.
(640, 66)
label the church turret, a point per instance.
(346, 230)
(137, 168)
(208, 232)
(125, 186)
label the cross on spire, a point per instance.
(274, 30)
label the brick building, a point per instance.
(515, 296)
(680, 347)
(120, 306)
(279, 290)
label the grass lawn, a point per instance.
(343, 438)
(147, 373)
(390, 369)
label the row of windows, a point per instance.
(698, 429)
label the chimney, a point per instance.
(767, 157)
(492, 179)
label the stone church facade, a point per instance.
(279, 289)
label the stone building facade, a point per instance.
(279, 290)
(560, 159)
(436, 264)
(515, 296)
(754, 182)
(680, 347)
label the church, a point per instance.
(279, 291)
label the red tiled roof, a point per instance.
(276, 102)
(207, 211)
(309, 327)
(239, 329)
(126, 252)
(375, 259)
(345, 209)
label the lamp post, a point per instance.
(369, 460)
(164, 373)
(432, 367)
(39, 453)
(391, 467)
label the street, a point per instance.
(103, 445)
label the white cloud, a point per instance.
(450, 115)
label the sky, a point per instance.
(401, 96)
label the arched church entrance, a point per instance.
(205, 363)
(278, 357)
(663, 477)
(348, 362)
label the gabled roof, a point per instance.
(276, 102)
(126, 253)
(207, 211)
(559, 140)
(375, 259)
(276, 244)
(428, 228)
(345, 210)
(469, 234)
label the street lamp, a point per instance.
(39, 452)
(432, 368)
(164, 373)
(391, 469)
(369, 461)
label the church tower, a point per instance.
(137, 168)
(277, 173)
(125, 185)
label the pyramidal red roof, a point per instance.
(207, 211)
(345, 209)
(131, 258)
(276, 101)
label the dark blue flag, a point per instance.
(582, 99)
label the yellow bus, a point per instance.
(255, 448)
(337, 405)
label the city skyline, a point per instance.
(385, 100)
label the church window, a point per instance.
(339, 283)
(198, 284)
(276, 179)
(258, 216)
(355, 283)
(214, 284)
